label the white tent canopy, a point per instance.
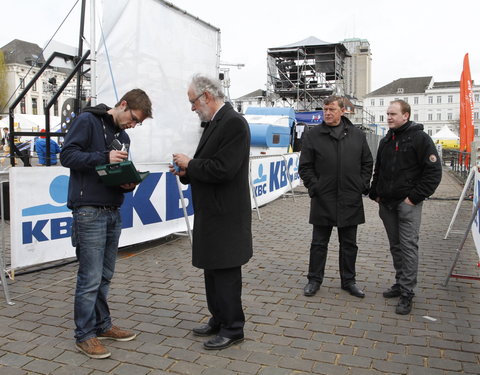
(445, 134)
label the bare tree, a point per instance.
(3, 84)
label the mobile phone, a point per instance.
(175, 166)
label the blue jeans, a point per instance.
(95, 235)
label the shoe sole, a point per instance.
(403, 312)
(352, 294)
(94, 356)
(226, 346)
(130, 338)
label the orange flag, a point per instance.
(466, 110)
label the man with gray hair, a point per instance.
(222, 235)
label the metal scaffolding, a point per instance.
(304, 73)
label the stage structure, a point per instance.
(304, 73)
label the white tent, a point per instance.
(445, 134)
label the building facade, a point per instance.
(358, 67)
(22, 62)
(434, 104)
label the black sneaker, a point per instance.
(404, 305)
(393, 292)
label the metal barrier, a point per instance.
(455, 160)
(3, 181)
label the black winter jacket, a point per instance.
(336, 172)
(87, 144)
(407, 165)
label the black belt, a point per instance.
(109, 208)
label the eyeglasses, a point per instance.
(134, 118)
(198, 97)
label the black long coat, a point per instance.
(218, 174)
(336, 172)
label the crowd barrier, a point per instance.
(40, 222)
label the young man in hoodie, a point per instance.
(96, 216)
(407, 171)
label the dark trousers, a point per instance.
(402, 224)
(223, 289)
(347, 237)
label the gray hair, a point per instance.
(206, 84)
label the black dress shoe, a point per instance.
(311, 288)
(220, 342)
(205, 330)
(354, 290)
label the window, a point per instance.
(381, 102)
(372, 102)
(23, 107)
(55, 108)
(415, 100)
(400, 90)
(477, 97)
(405, 100)
(381, 118)
(449, 116)
(22, 83)
(415, 117)
(475, 115)
(34, 86)
(430, 116)
(430, 132)
(450, 98)
(34, 106)
(439, 116)
(430, 100)
(439, 100)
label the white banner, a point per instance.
(149, 44)
(271, 176)
(40, 221)
(476, 222)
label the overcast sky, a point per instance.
(409, 38)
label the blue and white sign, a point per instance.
(271, 176)
(41, 221)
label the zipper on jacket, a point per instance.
(396, 142)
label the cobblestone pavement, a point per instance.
(157, 293)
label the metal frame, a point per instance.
(3, 246)
(460, 248)
(460, 200)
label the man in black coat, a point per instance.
(222, 236)
(407, 171)
(336, 167)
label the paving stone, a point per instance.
(11, 371)
(41, 366)
(158, 293)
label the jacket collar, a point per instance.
(212, 125)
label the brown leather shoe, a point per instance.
(117, 334)
(93, 348)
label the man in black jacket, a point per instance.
(407, 171)
(336, 167)
(222, 234)
(96, 215)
